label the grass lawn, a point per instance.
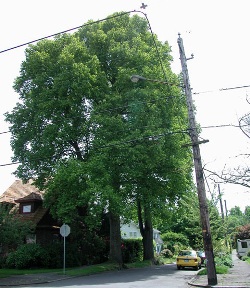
(219, 270)
(85, 270)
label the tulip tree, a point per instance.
(141, 131)
(77, 103)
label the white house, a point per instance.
(132, 231)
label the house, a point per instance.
(131, 231)
(28, 201)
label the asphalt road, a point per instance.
(154, 277)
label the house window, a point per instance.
(26, 209)
(244, 244)
(130, 234)
(135, 235)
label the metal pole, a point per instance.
(204, 215)
(64, 250)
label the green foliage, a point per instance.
(51, 255)
(167, 253)
(224, 260)
(91, 137)
(13, 230)
(159, 260)
(132, 250)
(174, 241)
(26, 256)
(219, 270)
(67, 188)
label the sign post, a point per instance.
(64, 231)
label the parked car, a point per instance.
(188, 258)
(202, 255)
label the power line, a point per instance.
(120, 143)
(149, 137)
(222, 89)
(202, 127)
(68, 30)
(9, 164)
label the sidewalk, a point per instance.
(29, 279)
(238, 276)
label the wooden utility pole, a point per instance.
(221, 205)
(204, 215)
(225, 202)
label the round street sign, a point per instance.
(65, 230)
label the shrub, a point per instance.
(132, 250)
(224, 260)
(26, 256)
(158, 260)
(174, 241)
(166, 253)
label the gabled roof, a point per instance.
(32, 197)
(19, 190)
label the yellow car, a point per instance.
(188, 258)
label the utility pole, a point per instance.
(225, 202)
(221, 205)
(204, 215)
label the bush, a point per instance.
(244, 258)
(26, 256)
(224, 260)
(166, 253)
(174, 241)
(158, 260)
(132, 250)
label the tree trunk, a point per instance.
(115, 253)
(148, 247)
(146, 232)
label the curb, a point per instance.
(211, 286)
(37, 282)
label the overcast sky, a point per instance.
(216, 32)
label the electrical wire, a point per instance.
(120, 143)
(149, 137)
(222, 89)
(66, 31)
(201, 127)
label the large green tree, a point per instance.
(77, 103)
(141, 126)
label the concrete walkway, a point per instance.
(238, 276)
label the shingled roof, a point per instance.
(18, 190)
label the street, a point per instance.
(155, 276)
